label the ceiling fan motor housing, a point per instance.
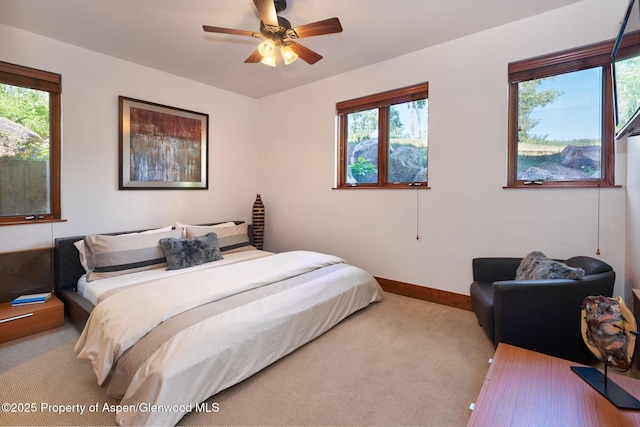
(278, 34)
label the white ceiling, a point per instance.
(167, 34)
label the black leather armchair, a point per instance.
(540, 315)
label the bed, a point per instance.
(164, 339)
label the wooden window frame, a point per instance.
(592, 56)
(17, 75)
(382, 101)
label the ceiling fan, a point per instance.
(278, 33)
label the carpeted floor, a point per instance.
(399, 362)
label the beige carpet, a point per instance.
(399, 362)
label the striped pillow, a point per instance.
(219, 224)
(83, 256)
(231, 239)
(109, 256)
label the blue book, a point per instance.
(31, 299)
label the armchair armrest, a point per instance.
(530, 285)
(494, 269)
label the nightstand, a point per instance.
(22, 320)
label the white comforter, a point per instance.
(225, 349)
(94, 291)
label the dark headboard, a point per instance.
(67, 268)
(66, 263)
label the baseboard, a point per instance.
(428, 294)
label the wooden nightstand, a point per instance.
(23, 320)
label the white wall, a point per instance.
(632, 262)
(91, 202)
(467, 213)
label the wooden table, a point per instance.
(525, 388)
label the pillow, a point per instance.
(83, 256)
(231, 239)
(183, 253)
(222, 224)
(109, 256)
(536, 266)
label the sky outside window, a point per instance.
(575, 114)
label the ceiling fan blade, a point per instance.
(306, 54)
(210, 29)
(328, 26)
(253, 58)
(267, 12)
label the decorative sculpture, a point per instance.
(258, 222)
(609, 331)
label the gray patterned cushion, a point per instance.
(183, 253)
(536, 266)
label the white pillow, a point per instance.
(232, 238)
(83, 255)
(223, 224)
(109, 256)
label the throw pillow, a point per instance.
(536, 266)
(183, 253)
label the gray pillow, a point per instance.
(183, 253)
(536, 266)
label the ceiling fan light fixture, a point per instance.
(288, 55)
(269, 60)
(277, 31)
(267, 48)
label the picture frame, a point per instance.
(161, 147)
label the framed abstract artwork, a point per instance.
(161, 147)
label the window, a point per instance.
(29, 145)
(628, 88)
(383, 139)
(561, 131)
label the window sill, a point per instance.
(371, 187)
(559, 184)
(31, 221)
